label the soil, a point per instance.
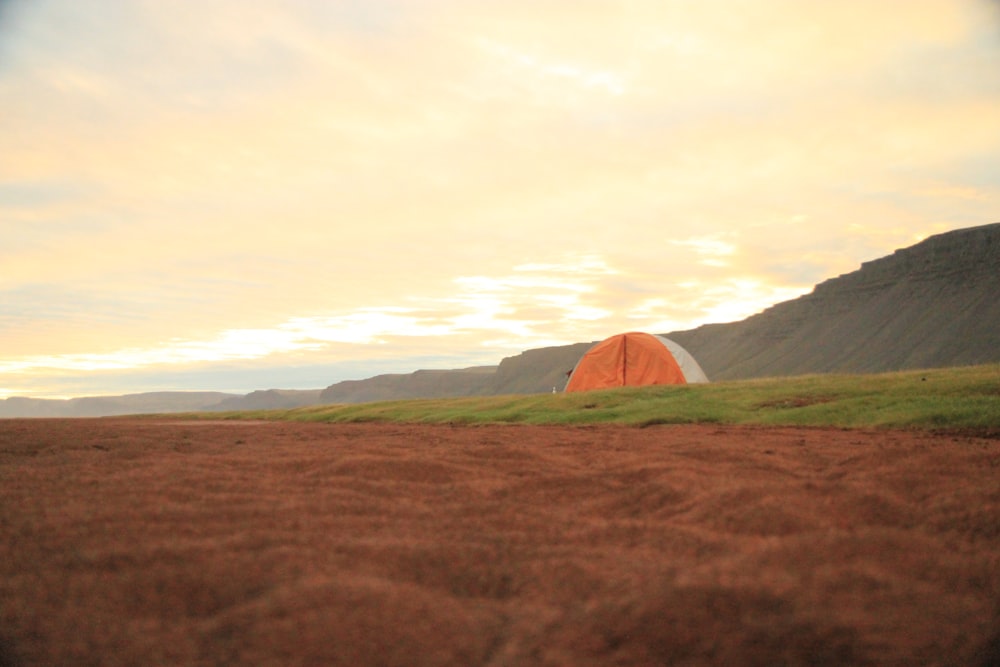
(163, 542)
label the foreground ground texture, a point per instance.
(137, 542)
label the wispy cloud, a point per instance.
(253, 180)
(536, 304)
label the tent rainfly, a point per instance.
(634, 359)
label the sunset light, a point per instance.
(362, 186)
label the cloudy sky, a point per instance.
(244, 194)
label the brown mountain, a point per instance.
(419, 384)
(934, 304)
(269, 399)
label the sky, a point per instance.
(248, 194)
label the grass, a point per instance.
(966, 398)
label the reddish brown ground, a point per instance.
(128, 542)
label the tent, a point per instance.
(634, 359)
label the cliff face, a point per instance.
(933, 304)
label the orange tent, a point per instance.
(634, 359)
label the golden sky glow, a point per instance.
(242, 194)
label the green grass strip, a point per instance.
(964, 398)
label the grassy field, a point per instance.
(956, 398)
(144, 541)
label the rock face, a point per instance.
(933, 304)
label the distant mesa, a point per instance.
(931, 305)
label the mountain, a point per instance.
(158, 402)
(934, 304)
(105, 406)
(270, 399)
(423, 383)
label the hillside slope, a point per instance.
(268, 399)
(423, 384)
(933, 304)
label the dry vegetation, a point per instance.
(141, 542)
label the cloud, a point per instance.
(533, 305)
(253, 180)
